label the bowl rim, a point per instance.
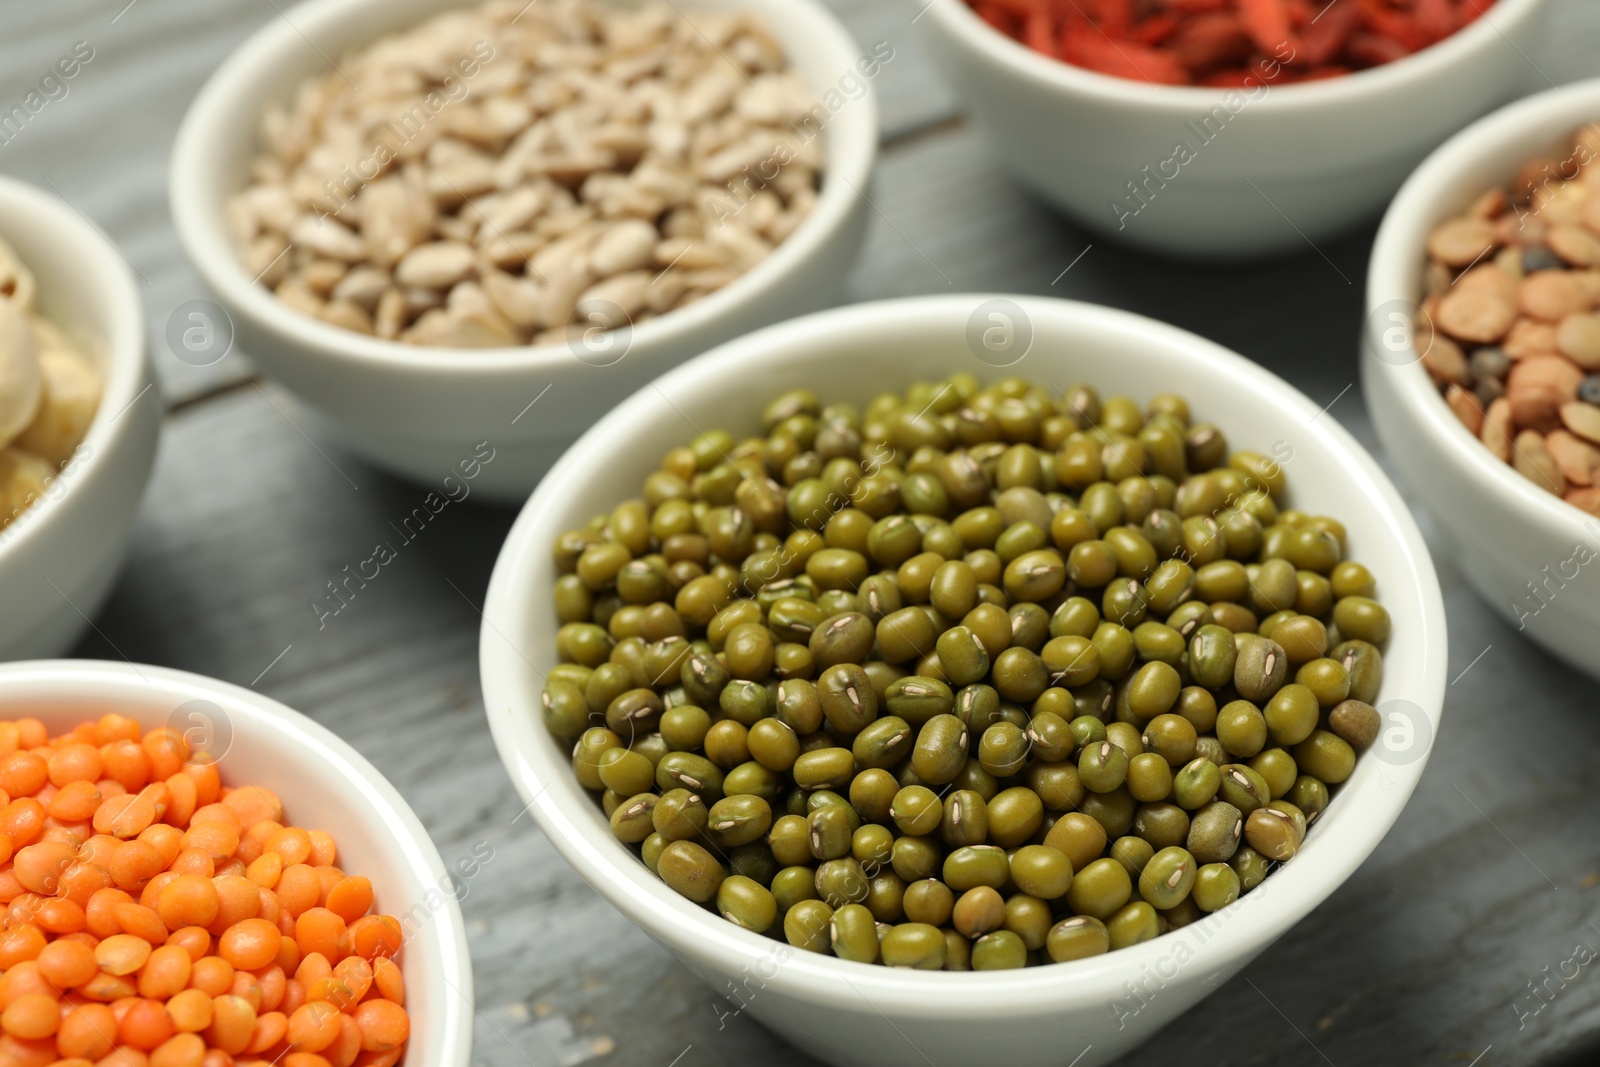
(1395, 274)
(691, 932)
(403, 830)
(961, 23)
(121, 355)
(850, 147)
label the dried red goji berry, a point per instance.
(1210, 40)
(1435, 18)
(1074, 25)
(1156, 29)
(1325, 37)
(1394, 25)
(1127, 60)
(1115, 17)
(1267, 23)
(1038, 34)
(1301, 11)
(1195, 7)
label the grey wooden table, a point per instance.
(1484, 890)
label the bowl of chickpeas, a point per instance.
(79, 419)
(198, 875)
(927, 663)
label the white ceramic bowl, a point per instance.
(59, 557)
(844, 1012)
(323, 783)
(1509, 537)
(419, 411)
(1277, 166)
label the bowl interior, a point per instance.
(849, 354)
(323, 783)
(1484, 155)
(219, 138)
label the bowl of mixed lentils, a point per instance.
(1482, 359)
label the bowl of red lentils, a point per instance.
(1481, 360)
(194, 875)
(1225, 128)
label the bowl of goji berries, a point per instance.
(1225, 128)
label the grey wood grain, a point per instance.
(1424, 956)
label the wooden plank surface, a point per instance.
(1425, 956)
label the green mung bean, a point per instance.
(976, 677)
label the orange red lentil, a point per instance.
(154, 917)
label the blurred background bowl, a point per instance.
(60, 556)
(417, 411)
(1273, 166)
(324, 784)
(1508, 535)
(846, 1013)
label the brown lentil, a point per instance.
(1511, 335)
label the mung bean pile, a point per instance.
(970, 678)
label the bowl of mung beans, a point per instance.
(445, 222)
(197, 874)
(1482, 386)
(1224, 130)
(855, 658)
